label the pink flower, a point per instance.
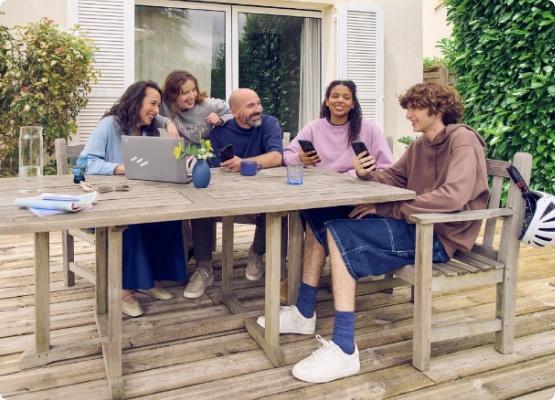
(58, 50)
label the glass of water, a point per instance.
(78, 167)
(295, 173)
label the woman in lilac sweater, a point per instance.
(340, 124)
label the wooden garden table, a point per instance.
(228, 195)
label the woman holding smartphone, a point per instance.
(332, 135)
(328, 143)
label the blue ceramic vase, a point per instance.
(201, 174)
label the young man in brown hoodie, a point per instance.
(446, 167)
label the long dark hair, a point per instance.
(126, 109)
(172, 88)
(355, 114)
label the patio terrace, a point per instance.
(214, 357)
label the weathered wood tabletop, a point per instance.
(229, 194)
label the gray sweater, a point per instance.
(190, 123)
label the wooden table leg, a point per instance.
(294, 255)
(268, 338)
(112, 349)
(42, 292)
(227, 256)
(101, 271)
(40, 355)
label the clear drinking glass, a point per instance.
(295, 173)
(30, 159)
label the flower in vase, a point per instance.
(202, 151)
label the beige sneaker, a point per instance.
(255, 267)
(198, 283)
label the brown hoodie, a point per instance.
(448, 174)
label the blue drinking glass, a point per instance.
(78, 167)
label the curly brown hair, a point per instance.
(126, 109)
(437, 98)
(172, 88)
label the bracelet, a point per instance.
(169, 121)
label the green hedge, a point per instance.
(502, 53)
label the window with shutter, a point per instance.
(361, 56)
(109, 23)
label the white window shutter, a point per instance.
(110, 24)
(361, 56)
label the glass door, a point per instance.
(275, 52)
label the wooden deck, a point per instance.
(214, 357)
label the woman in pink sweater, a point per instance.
(340, 124)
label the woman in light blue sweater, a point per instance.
(150, 251)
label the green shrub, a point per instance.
(45, 75)
(502, 53)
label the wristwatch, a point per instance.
(169, 121)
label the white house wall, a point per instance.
(434, 26)
(21, 12)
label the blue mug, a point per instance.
(249, 167)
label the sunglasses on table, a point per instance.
(87, 187)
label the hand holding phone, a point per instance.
(307, 146)
(310, 157)
(226, 153)
(360, 147)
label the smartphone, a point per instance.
(359, 147)
(307, 146)
(226, 153)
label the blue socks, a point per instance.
(307, 300)
(344, 331)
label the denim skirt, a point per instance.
(372, 245)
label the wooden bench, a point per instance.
(486, 263)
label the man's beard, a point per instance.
(252, 124)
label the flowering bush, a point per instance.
(201, 152)
(45, 75)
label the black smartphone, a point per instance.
(359, 147)
(307, 146)
(226, 153)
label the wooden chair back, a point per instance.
(63, 152)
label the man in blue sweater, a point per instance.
(254, 136)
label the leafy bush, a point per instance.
(44, 78)
(502, 53)
(429, 62)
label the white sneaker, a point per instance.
(327, 364)
(198, 283)
(255, 267)
(292, 321)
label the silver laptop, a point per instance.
(151, 158)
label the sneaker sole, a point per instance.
(253, 278)
(262, 323)
(312, 379)
(196, 295)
